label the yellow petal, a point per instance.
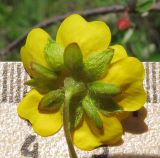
(128, 73)
(90, 36)
(34, 49)
(133, 97)
(43, 124)
(119, 53)
(125, 71)
(121, 115)
(88, 137)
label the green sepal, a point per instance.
(40, 85)
(53, 54)
(73, 86)
(43, 72)
(73, 59)
(102, 88)
(76, 112)
(108, 106)
(51, 101)
(91, 110)
(96, 65)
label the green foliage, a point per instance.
(145, 5)
(141, 40)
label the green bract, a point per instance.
(73, 58)
(76, 112)
(102, 88)
(43, 86)
(43, 72)
(53, 53)
(89, 106)
(107, 106)
(51, 101)
(96, 65)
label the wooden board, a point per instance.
(18, 140)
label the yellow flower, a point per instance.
(125, 72)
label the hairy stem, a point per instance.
(66, 125)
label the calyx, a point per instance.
(70, 75)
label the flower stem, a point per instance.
(66, 124)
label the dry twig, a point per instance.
(55, 19)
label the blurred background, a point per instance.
(133, 23)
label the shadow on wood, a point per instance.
(135, 123)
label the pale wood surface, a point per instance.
(18, 140)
